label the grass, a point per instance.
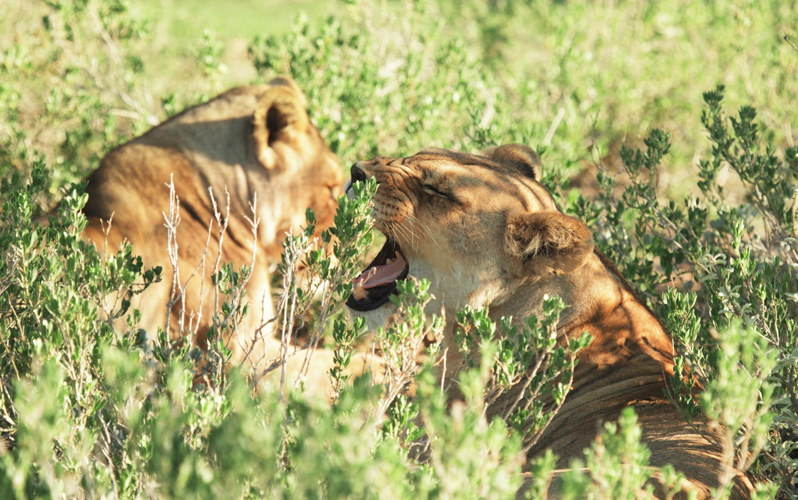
(179, 25)
(575, 79)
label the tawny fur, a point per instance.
(485, 233)
(251, 142)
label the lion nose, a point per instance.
(358, 174)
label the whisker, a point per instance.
(411, 229)
(413, 219)
(407, 234)
(391, 231)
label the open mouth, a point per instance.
(375, 285)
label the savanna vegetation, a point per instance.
(668, 126)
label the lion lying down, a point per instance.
(485, 233)
(254, 142)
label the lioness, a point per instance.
(254, 142)
(485, 233)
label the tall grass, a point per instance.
(91, 409)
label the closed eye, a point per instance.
(433, 191)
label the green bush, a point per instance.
(91, 409)
(723, 279)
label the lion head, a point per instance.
(477, 227)
(253, 154)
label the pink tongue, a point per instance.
(381, 275)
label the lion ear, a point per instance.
(519, 157)
(279, 116)
(286, 81)
(548, 242)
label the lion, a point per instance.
(487, 234)
(253, 147)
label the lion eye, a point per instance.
(433, 191)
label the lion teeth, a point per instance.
(388, 261)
